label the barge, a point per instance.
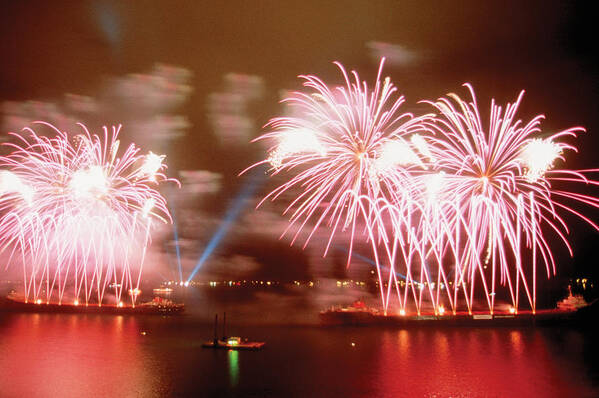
(572, 310)
(157, 306)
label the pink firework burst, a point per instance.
(446, 201)
(493, 197)
(348, 146)
(78, 213)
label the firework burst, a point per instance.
(77, 213)
(427, 191)
(496, 199)
(344, 144)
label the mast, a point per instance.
(215, 330)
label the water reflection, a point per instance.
(476, 362)
(53, 355)
(233, 359)
(47, 355)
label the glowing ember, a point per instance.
(152, 164)
(89, 183)
(10, 183)
(422, 147)
(434, 184)
(396, 153)
(294, 142)
(538, 156)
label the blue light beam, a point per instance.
(177, 249)
(237, 205)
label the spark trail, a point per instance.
(451, 202)
(78, 213)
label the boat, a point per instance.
(572, 302)
(231, 343)
(161, 306)
(235, 343)
(358, 314)
(158, 306)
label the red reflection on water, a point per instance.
(48, 355)
(472, 363)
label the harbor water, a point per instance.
(78, 355)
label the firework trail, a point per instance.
(78, 214)
(344, 144)
(441, 198)
(493, 198)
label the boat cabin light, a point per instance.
(234, 340)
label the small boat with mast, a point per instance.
(230, 342)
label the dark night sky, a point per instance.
(546, 47)
(49, 48)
